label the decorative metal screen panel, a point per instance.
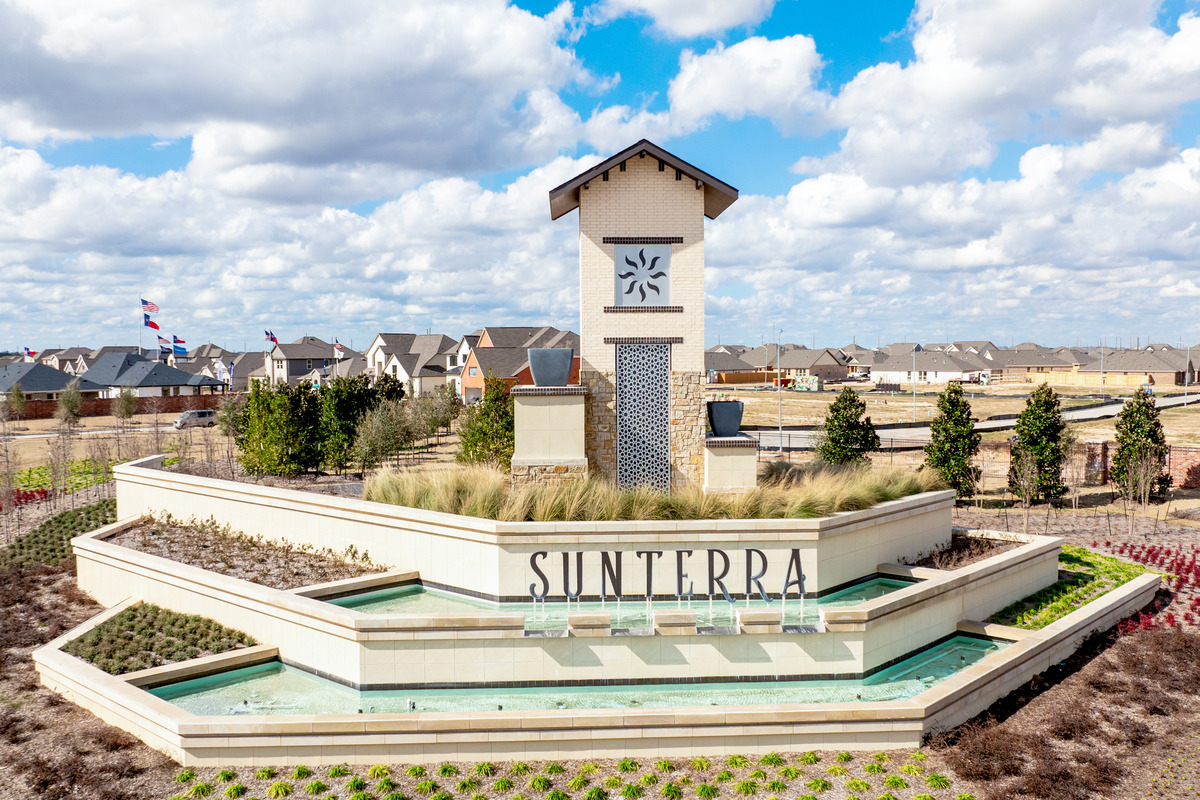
(644, 415)
(643, 274)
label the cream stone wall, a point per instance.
(670, 732)
(642, 202)
(549, 428)
(730, 469)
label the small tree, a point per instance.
(16, 402)
(381, 434)
(231, 422)
(1139, 477)
(848, 436)
(1040, 432)
(124, 406)
(953, 442)
(343, 403)
(487, 433)
(387, 387)
(282, 430)
(70, 405)
(1140, 437)
(1023, 479)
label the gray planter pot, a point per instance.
(725, 417)
(551, 366)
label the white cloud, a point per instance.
(771, 78)
(686, 19)
(296, 91)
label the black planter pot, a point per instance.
(725, 417)
(551, 366)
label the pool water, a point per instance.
(273, 688)
(414, 599)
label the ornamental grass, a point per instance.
(784, 491)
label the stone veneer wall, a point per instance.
(524, 474)
(689, 392)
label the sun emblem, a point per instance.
(642, 276)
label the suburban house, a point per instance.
(291, 363)
(347, 367)
(43, 382)
(115, 371)
(930, 366)
(85, 361)
(502, 352)
(828, 365)
(61, 359)
(427, 360)
(725, 367)
(1131, 368)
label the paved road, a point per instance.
(914, 436)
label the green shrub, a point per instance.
(700, 763)
(539, 783)
(757, 775)
(649, 779)
(448, 796)
(747, 788)
(772, 760)
(818, 785)
(724, 775)
(427, 786)
(415, 771)
(578, 782)
(917, 755)
(671, 791)
(378, 771)
(875, 769)
(557, 794)
(487, 432)
(362, 796)
(467, 785)
(502, 785)
(186, 775)
(201, 789)
(301, 772)
(837, 770)
(234, 791)
(400, 796)
(279, 789)
(664, 765)
(596, 793)
(226, 775)
(386, 784)
(485, 769)
(737, 762)
(706, 791)
(810, 758)
(627, 765)
(895, 782)
(857, 785)
(447, 770)
(316, 787)
(281, 431)
(264, 774)
(776, 787)
(789, 773)
(935, 781)
(554, 768)
(148, 636)
(520, 768)
(848, 436)
(342, 770)
(845, 758)
(632, 791)
(50, 542)
(590, 768)
(910, 769)
(887, 796)
(881, 758)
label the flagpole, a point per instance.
(140, 326)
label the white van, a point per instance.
(200, 418)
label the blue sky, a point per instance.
(949, 169)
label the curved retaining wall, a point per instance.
(427, 737)
(494, 558)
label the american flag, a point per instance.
(164, 342)
(148, 307)
(338, 345)
(271, 337)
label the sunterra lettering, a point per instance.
(611, 573)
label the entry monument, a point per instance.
(637, 416)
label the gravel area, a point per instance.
(276, 564)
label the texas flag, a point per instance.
(177, 340)
(29, 354)
(271, 337)
(149, 323)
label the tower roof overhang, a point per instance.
(718, 195)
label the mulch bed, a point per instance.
(963, 550)
(278, 564)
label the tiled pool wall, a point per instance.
(365, 650)
(578, 733)
(496, 560)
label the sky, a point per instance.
(1009, 170)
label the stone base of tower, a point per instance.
(689, 392)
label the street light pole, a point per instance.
(914, 383)
(779, 386)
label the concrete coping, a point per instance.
(547, 391)
(739, 441)
(495, 532)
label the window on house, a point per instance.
(908, 376)
(278, 364)
(454, 361)
(922, 375)
(308, 363)
(474, 372)
(393, 369)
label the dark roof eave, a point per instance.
(718, 195)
